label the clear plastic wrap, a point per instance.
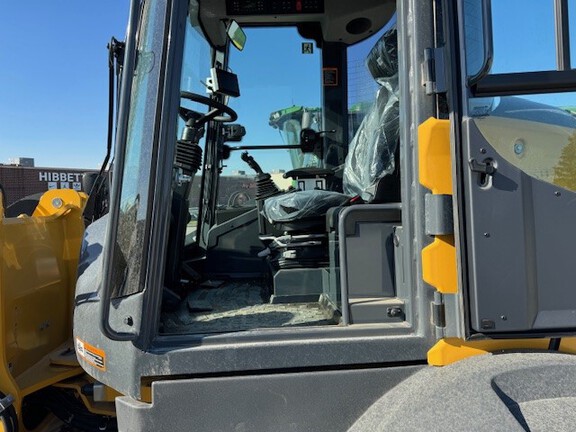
(301, 205)
(382, 60)
(371, 152)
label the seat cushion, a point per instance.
(302, 205)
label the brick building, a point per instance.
(20, 181)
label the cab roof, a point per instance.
(328, 20)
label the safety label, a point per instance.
(329, 76)
(95, 356)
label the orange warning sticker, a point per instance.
(95, 356)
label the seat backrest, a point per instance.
(372, 152)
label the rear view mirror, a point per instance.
(236, 35)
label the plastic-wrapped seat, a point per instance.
(370, 166)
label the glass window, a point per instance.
(474, 16)
(537, 134)
(280, 93)
(373, 112)
(130, 255)
(523, 35)
(526, 42)
(572, 20)
(196, 61)
(362, 85)
(195, 70)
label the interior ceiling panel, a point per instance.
(341, 21)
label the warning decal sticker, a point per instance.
(329, 76)
(95, 356)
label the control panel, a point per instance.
(273, 7)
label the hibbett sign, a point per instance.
(61, 180)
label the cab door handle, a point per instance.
(486, 167)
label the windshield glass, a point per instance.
(195, 70)
(274, 106)
(196, 61)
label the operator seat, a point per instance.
(370, 169)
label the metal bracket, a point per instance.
(439, 214)
(6, 402)
(433, 71)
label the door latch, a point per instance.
(486, 167)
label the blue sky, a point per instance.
(527, 27)
(54, 79)
(525, 30)
(54, 74)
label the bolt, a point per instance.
(394, 312)
(519, 148)
(487, 234)
(503, 317)
(57, 203)
(557, 193)
(129, 321)
(483, 150)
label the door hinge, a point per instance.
(439, 216)
(438, 314)
(433, 71)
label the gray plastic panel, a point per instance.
(298, 282)
(332, 285)
(522, 236)
(367, 252)
(313, 401)
(235, 242)
(370, 260)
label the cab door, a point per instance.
(516, 172)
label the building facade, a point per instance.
(20, 181)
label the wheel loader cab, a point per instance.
(272, 208)
(315, 199)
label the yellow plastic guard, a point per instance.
(439, 265)
(435, 171)
(451, 350)
(434, 160)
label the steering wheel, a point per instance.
(216, 109)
